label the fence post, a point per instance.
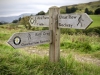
(54, 50)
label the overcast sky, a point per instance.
(17, 7)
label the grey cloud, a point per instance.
(19, 6)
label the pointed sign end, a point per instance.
(10, 44)
(87, 21)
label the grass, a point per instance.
(81, 7)
(81, 43)
(96, 21)
(19, 62)
(96, 54)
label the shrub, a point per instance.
(97, 54)
(84, 47)
(95, 30)
(97, 11)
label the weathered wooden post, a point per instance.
(54, 51)
(54, 21)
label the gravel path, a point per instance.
(81, 58)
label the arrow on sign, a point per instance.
(24, 39)
(39, 20)
(76, 21)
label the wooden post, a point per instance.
(54, 51)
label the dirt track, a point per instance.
(78, 57)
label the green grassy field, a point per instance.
(19, 62)
(96, 21)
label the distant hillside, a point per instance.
(11, 18)
(81, 7)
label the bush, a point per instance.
(41, 13)
(96, 54)
(15, 21)
(95, 30)
(77, 45)
(84, 47)
(68, 31)
(97, 11)
(88, 11)
(71, 10)
(89, 31)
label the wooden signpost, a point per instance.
(39, 21)
(54, 21)
(76, 21)
(24, 39)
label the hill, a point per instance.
(92, 6)
(9, 19)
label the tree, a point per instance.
(89, 12)
(25, 21)
(1, 23)
(41, 13)
(15, 21)
(71, 10)
(97, 11)
(86, 10)
(68, 10)
(19, 19)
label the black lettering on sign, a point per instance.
(65, 25)
(38, 17)
(46, 17)
(46, 33)
(68, 25)
(41, 24)
(37, 34)
(31, 43)
(63, 17)
(29, 36)
(72, 17)
(41, 17)
(67, 17)
(44, 41)
(61, 24)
